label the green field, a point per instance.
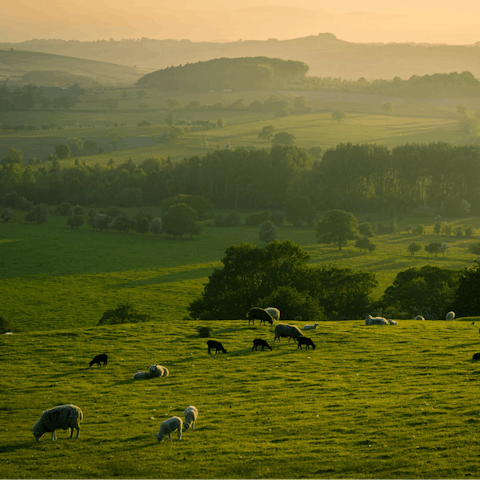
(368, 402)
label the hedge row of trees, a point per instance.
(278, 275)
(438, 177)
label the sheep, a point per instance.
(369, 320)
(305, 341)
(258, 342)
(274, 312)
(168, 427)
(392, 322)
(259, 314)
(311, 327)
(419, 317)
(450, 316)
(99, 360)
(154, 371)
(191, 414)
(285, 330)
(63, 416)
(216, 345)
(298, 318)
(476, 356)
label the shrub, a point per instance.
(122, 223)
(366, 229)
(156, 226)
(64, 209)
(37, 214)
(256, 219)
(364, 243)
(142, 225)
(124, 313)
(75, 221)
(268, 232)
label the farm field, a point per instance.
(310, 130)
(368, 402)
(53, 276)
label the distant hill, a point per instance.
(49, 69)
(325, 54)
(249, 73)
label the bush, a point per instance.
(268, 232)
(156, 226)
(75, 221)
(366, 229)
(255, 219)
(37, 214)
(364, 243)
(142, 225)
(64, 209)
(124, 313)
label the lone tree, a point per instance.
(179, 220)
(387, 107)
(268, 232)
(338, 116)
(266, 133)
(284, 138)
(414, 247)
(337, 226)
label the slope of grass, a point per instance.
(368, 402)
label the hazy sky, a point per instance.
(431, 21)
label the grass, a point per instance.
(51, 275)
(369, 402)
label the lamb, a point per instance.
(63, 416)
(168, 427)
(476, 356)
(274, 312)
(154, 371)
(285, 330)
(311, 327)
(450, 316)
(419, 317)
(392, 322)
(259, 314)
(216, 345)
(369, 320)
(191, 414)
(305, 341)
(99, 360)
(258, 342)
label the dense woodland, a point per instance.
(356, 178)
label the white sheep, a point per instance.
(419, 317)
(392, 322)
(369, 320)
(450, 316)
(154, 371)
(168, 427)
(285, 330)
(141, 376)
(63, 416)
(310, 327)
(274, 313)
(191, 414)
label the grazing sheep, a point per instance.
(419, 317)
(450, 316)
(154, 371)
(216, 345)
(100, 359)
(274, 312)
(191, 414)
(311, 327)
(168, 427)
(305, 341)
(369, 320)
(285, 330)
(64, 416)
(392, 322)
(258, 342)
(476, 356)
(259, 314)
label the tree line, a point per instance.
(435, 177)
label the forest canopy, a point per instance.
(236, 74)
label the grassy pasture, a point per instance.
(369, 402)
(53, 276)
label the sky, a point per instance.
(423, 21)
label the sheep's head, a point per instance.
(38, 431)
(159, 437)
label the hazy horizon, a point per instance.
(421, 21)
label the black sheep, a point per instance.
(258, 342)
(216, 345)
(476, 356)
(305, 341)
(259, 314)
(100, 359)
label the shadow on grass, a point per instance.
(13, 448)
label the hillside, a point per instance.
(325, 54)
(39, 68)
